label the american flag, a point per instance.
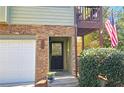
(111, 29)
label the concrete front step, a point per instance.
(66, 81)
(64, 85)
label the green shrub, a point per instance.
(92, 64)
(113, 68)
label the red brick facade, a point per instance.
(42, 33)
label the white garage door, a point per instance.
(17, 59)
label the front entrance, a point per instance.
(56, 52)
(60, 54)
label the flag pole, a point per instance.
(111, 29)
(114, 23)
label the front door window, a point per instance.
(56, 49)
(56, 62)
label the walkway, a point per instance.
(64, 79)
(26, 84)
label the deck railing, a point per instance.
(88, 14)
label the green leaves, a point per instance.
(101, 61)
(113, 68)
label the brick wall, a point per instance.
(42, 33)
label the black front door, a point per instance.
(56, 49)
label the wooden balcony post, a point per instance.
(83, 42)
(75, 24)
(101, 38)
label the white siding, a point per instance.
(42, 15)
(3, 14)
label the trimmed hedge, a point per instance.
(113, 68)
(100, 61)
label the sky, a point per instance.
(116, 8)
